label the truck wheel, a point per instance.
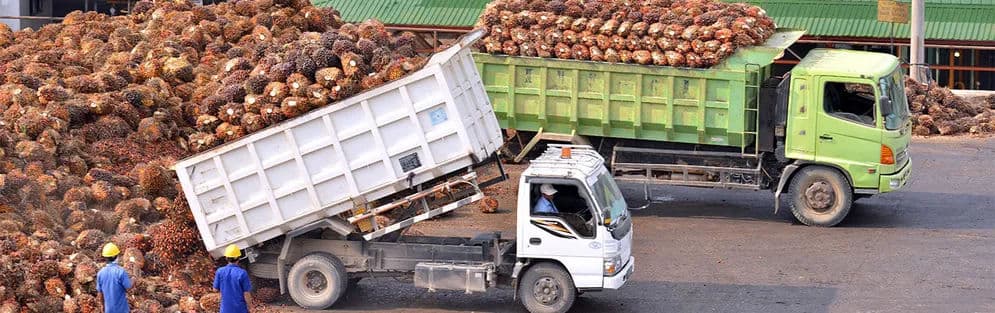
(820, 196)
(316, 281)
(547, 288)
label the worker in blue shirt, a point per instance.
(545, 204)
(112, 282)
(233, 282)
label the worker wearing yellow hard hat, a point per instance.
(113, 282)
(233, 282)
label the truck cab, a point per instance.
(848, 130)
(589, 232)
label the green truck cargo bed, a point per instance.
(715, 106)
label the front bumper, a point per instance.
(615, 282)
(896, 181)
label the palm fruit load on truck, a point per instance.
(366, 149)
(679, 33)
(710, 53)
(95, 109)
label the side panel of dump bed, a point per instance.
(430, 123)
(603, 99)
(714, 106)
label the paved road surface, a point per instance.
(930, 248)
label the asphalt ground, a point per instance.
(927, 248)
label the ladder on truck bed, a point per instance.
(434, 201)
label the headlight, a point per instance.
(613, 265)
(894, 183)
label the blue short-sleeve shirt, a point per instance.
(112, 282)
(545, 206)
(233, 282)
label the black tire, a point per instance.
(820, 196)
(316, 281)
(547, 288)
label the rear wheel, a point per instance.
(820, 196)
(316, 281)
(547, 288)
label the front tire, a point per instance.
(547, 288)
(316, 281)
(820, 196)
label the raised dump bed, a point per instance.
(714, 106)
(426, 125)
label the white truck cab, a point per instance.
(589, 235)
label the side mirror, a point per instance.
(887, 108)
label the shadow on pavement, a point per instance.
(641, 296)
(637, 296)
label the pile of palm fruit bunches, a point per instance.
(938, 111)
(678, 33)
(95, 110)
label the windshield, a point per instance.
(893, 86)
(609, 198)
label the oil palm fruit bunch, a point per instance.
(679, 33)
(95, 109)
(938, 111)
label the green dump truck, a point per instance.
(834, 129)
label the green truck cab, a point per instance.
(835, 128)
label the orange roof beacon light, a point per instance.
(565, 153)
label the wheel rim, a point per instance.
(315, 283)
(820, 196)
(546, 291)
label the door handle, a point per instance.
(535, 241)
(826, 137)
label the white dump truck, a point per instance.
(323, 199)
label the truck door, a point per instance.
(800, 135)
(848, 128)
(562, 227)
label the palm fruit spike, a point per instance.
(252, 122)
(202, 141)
(252, 103)
(327, 76)
(294, 106)
(228, 132)
(344, 88)
(318, 95)
(372, 80)
(353, 64)
(275, 92)
(271, 113)
(231, 113)
(255, 84)
(298, 84)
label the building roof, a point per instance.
(968, 20)
(830, 62)
(447, 13)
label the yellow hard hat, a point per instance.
(232, 251)
(110, 250)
